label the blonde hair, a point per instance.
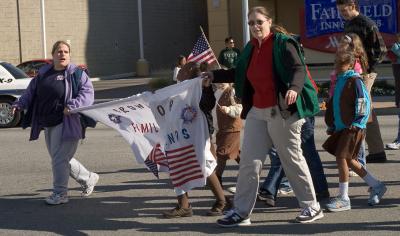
(353, 43)
(57, 44)
(265, 12)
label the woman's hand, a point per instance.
(290, 97)
(208, 77)
(67, 112)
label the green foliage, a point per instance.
(380, 88)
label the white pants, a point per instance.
(62, 161)
(266, 128)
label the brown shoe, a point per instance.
(219, 208)
(178, 212)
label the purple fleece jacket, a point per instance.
(71, 123)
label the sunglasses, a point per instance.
(258, 22)
(231, 42)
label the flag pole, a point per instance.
(216, 59)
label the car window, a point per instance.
(37, 64)
(14, 71)
(26, 66)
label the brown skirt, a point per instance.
(345, 144)
(228, 145)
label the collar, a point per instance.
(255, 43)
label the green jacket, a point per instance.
(307, 100)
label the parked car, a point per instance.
(13, 82)
(31, 67)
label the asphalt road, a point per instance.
(129, 200)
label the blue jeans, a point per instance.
(276, 173)
(361, 155)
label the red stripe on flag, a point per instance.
(187, 180)
(193, 164)
(179, 149)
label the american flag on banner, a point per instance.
(156, 159)
(183, 165)
(202, 52)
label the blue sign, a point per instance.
(323, 17)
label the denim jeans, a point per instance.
(276, 173)
(361, 155)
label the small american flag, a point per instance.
(183, 165)
(202, 52)
(155, 159)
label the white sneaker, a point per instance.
(309, 214)
(231, 190)
(88, 189)
(393, 146)
(56, 199)
(352, 174)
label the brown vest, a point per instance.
(225, 122)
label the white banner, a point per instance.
(165, 129)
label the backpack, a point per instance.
(76, 84)
(392, 57)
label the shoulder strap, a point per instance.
(76, 82)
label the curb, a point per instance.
(130, 75)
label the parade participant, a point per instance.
(375, 48)
(181, 61)
(353, 43)
(346, 116)
(227, 109)
(184, 209)
(229, 55)
(49, 98)
(271, 79)
(395, 145)
(275, 182)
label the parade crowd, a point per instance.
(268, 85)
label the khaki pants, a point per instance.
(265, 128)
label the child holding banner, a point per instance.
(207, 102)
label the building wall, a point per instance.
(103, 34)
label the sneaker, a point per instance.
(56, 199)
(178, 212)
(379, 157)
(88, 189)
(352, 174)
(285, 190)
(269, 199)
(393, 146)
(231, 190)
(308, 214)
(376, 194)
(219, 208)
(338, 204)
(233, 219)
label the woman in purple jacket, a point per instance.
(49, 99)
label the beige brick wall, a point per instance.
(9, 49)
(103, 33)
(218, 25)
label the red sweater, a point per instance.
(260, 73)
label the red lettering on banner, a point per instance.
(144, 128)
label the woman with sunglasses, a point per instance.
(277, 95)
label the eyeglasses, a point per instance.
(231, 42)
(258, 22)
